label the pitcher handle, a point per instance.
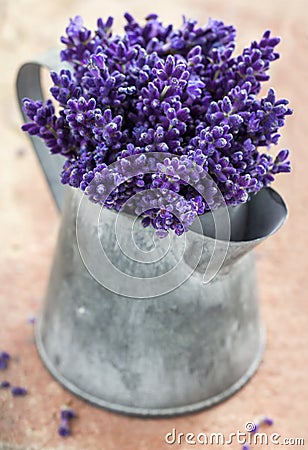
(28, 84)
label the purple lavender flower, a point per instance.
(64, 430)
(259, 421)
(268, 421)
(18, 391)
(66, 415)
(31, 320)
(4, 359)
(162, 89)
(256, 427)
(5, 384)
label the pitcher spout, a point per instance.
(266, 213)
(241, 228)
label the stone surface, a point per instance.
(29, 225)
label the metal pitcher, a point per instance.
(119, 332)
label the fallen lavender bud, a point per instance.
(268, 421)
(256, 428)
(4, 359)
(31, 320)
(260, 421)
(18, 391)
(66, 415)
(64, 429)
(5, 384)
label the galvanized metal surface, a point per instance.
(176, 353)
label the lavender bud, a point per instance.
(18, 391)
(4, 359)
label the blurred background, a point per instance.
(29, 225)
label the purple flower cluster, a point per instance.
(178, 92)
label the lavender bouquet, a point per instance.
(160, 90)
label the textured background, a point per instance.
(29, 224)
